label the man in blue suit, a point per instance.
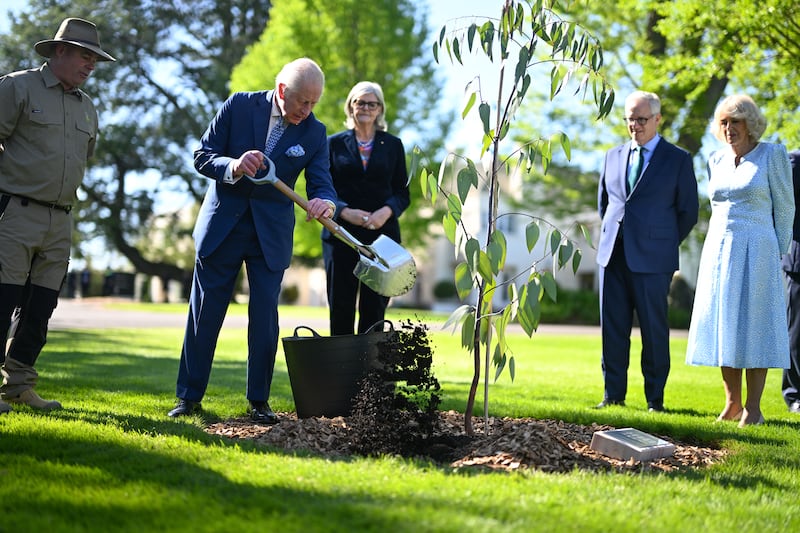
(240, 222)
(648, 204)
(791, 266)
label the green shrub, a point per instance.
(445, 289)
(572, 307)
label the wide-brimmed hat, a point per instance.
(77, 32)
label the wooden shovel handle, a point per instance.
(332, 226)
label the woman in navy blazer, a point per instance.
(368, 167)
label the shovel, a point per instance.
(384, 266)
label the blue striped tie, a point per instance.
(274, 136)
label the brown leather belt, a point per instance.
(26, 200)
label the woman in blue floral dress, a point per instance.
(739, 316)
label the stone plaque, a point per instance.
(630, 443)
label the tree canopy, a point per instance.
(692, 53)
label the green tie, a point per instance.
(636, 167)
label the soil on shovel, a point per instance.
(396, 413)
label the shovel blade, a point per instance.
(392, 271)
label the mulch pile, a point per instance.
(511, 444)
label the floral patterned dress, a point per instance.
(739, 315)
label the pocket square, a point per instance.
(295, 151)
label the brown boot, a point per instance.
(19, 379)
(4, 408)
(29, 397)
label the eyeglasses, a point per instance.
(362, 104)
(639, 120)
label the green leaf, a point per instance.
(454, 206)
(450, 225)
(484, 112)
(576, 261)
(487, 38)
(497, 251)
(471, 102)
(546, 152)
(463, 279)
(499, 360)
(472, 250)
(466, 177)
(526, 83)
(458, 316)
(500, 325)
(424, 184)
(549, 285)
(522, 64)
(565, 144)
(432, 187)
(530, 308)
(483, 334)
(555, 240)
(457, 50)
(555, 81)
(504, 127)
(532, 232)
(487, 141)
(586, 234)
(565, 253)
(468, 331)
(471, 35)
(473, 172)
(485, 267)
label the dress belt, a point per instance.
(25, 200)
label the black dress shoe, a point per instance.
(605, 403)
(656, 407)
(260, 412)
(795, 407)
(185, 408)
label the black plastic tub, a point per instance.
(326, 372)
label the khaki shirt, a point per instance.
(46, 136)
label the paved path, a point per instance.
(94, 313)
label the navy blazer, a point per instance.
(383, 182)
(658, 213)
(240, 125)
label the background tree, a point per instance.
(172, 69)
(691, 53)
(528, 39)
(384, 42)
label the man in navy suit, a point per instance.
(791, 265)
(240, 222)
(648, 204)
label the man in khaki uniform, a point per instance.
(48, 130)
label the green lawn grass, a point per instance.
(112, 460)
